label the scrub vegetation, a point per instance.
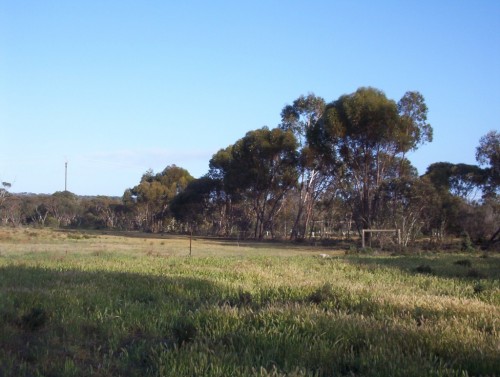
(135, 304)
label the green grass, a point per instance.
(93, 304)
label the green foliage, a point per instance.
(458, 179)
(413, 116)
(314, 177)
(302, 115)
(408, 204)
(193, 205)
(466, 243)
(488, 153)
(152, 197)
(257, 171)
(364, 136)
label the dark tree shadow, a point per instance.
(474, 266)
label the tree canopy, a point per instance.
(258, 170)
(488, 154)
(152, 196)
(366, 135)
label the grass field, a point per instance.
(94, 304)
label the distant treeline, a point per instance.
(327, 170)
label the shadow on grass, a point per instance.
(61, 320)
(463, 266)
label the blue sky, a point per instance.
(119, 87)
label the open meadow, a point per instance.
(97, 304)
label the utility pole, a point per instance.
(66, 176)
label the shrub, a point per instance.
(466, 243)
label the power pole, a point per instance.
(66, 176)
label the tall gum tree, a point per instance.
(224, 196)
(257, 171)
(369, 134)
(152, 196)
(488, 154)
(299, 118)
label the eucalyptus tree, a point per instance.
(198, 205)
(299, 118)
(225, 195)
(4, 193)
(488, 154)
(102, 212)
(257, 171)
(152, 196)
(64, 207)
(369, 135)
(413, 129)
(461, 180)
(410, 204)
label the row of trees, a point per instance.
(327, 168)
